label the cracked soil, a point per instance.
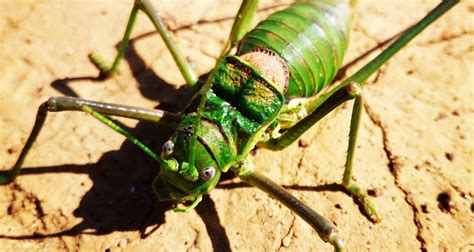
(86, 189)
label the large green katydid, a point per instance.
(202, 146)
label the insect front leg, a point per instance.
(145, 5)
(241, 25)
(96, 109)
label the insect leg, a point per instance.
(169, 164)
(9, 176)
(347, 182)
(325, 229)
(239, 28)
(365, 72)
(241, 25)
(348, 88)
(74, 104)
(328, 104)
(353, 90)
(186, 70)
(57, 104)
(106, 71)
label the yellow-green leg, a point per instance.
(241, 25)
(347, 182)
(325, 229)
(105, 70)
(96, 109)
(144, 5)
(350, 88)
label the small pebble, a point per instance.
(70, 51)
(123, 243)
(286, 241)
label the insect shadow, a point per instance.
(121, 198)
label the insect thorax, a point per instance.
(239, 108)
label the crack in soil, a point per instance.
(394, 168)
(30, 197)
(15, 24)
(437, 171)
(302, 156)
(379, 74)
(222, 19)
(369, 36)
(194, 241)
(446, 38)
(283, 242)
(63, 242)
(299, 165)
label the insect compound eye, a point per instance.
(208, 173)
(168, 147)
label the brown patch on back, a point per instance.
(269, 65)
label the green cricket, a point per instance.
(270, 85)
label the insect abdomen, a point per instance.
(310, 36)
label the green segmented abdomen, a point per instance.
(310, 36)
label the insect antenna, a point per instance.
(239, 28)
(197, 122)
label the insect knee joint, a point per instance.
(354, 89)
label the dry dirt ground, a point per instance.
(84, 188)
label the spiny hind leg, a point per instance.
(325, 229)
(319, 108)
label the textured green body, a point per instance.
(239, 108)
(310, 36)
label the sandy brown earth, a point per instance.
(85, 188)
